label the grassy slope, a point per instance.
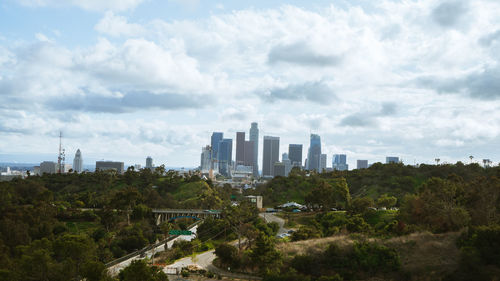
(424, 256)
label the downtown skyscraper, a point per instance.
(271, 155)
(295, 154)
(244, 150)
(314, 154)
(254, 137)
(216, 138)
(240, 148)
(339, 162)
(225, 156)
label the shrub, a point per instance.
(304, 233)
(227, 254)
(373, 257)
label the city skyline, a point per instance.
(415, 79)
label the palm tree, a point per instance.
(437, 161)
(471, 157)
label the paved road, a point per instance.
(270, 217)
(115, 269)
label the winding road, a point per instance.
(270, 217)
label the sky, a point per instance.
(124, 79)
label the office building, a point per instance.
(216, 138)
(314, 154)
(279, 169)
(48, 167)
(240, 148)
(362, 164)
(109, 166)
(254, 137)
(149, 163)
(248, 159)
(295, 154)
(66, 168)
(271, 154)
(206, 159)
(78, 162)
(288, 164)
(339, 162)
(225, 155)
(322, 163)
(137, 167)
(391, 159)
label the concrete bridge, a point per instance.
(162, 215)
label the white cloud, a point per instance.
(115, 25)
(347, 74)
(91, 5)
(42, 38)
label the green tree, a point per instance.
(264, 255)
(138, 270)
(360, 204)
(386, 201)
(438, 206)
(227, 254)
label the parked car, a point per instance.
(283, 235)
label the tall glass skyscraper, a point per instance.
(295, 154)
(271, 155)
(314, 155)
(339, 162)
(216, 138)
(254, 137)
(225, 154)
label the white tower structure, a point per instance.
(78, 162)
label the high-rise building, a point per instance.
(295, 154)
(279, 169)
(271, 154)
(149, 163)
(48, 167)
(288, 164)
(109, 166)
(362, 164)
(240, 148)
(225, 155)
(339, 162)
(206, 159)
(78, 162)
(254, 137)
(391, 159)
(216, 138)
(322, 162)
(314, 154)
(249, 154)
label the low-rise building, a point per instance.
(109, 166)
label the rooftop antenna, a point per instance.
(61, 157)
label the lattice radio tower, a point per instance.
(61, 158)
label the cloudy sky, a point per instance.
(124, 79)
